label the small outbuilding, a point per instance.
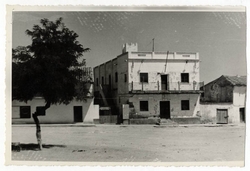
(75, 112)
(223, 100)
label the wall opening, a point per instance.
(78, 114)
(165, 109)
(242, 115)
(25, 112)
(143, 77)
(222, 116)
(185, 77)
(185, 105)
(164, 82)
(143, 105)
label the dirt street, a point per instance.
(142, 143)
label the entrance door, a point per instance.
(242, 115)
(165, 109)
(164, 82)
(78, 114)
(222, 116)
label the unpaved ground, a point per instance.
(143, 143)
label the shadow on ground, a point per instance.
(32, 147)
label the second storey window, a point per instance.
(125, 78)
(116, 77)
(144, 77)
(109, 79)
(102, 80)
(184, 77)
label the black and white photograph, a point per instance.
(121, 85)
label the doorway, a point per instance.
(78, 114)
(222, 116)
(242, 115)
(164, 82)
(165, 109)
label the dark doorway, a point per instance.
(242, 115)
(165, 109)
(222, 116)
(78, 114)
(164, 82)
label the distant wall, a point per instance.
(208, 112)
(213, 92)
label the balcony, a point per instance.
(169, 87)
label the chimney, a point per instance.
(129, 47)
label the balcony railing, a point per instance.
(169, 86)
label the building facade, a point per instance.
(224, 100)
(153, 84)
(74, 112)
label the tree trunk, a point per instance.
(38, 128)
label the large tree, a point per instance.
(49, 67)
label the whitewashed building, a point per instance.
(151, 84)
(224, 100)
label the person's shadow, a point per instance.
(16, 147)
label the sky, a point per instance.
(218, 37)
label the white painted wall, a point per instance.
(56, 113)
(153, 63)
(164, 55)
(239, 95)
(134, 63)
(209, 112)
(156, 68)
(175, 104)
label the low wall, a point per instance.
(143, 121)
(110, 119)
(187, 120)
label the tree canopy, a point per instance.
(49, 66)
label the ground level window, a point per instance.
(25, 112)
(143, 105)
(185, 105)
(41, 111)
(102, 80)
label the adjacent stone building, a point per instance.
(149, 85)
(224, 100)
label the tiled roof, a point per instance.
(237, 80)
